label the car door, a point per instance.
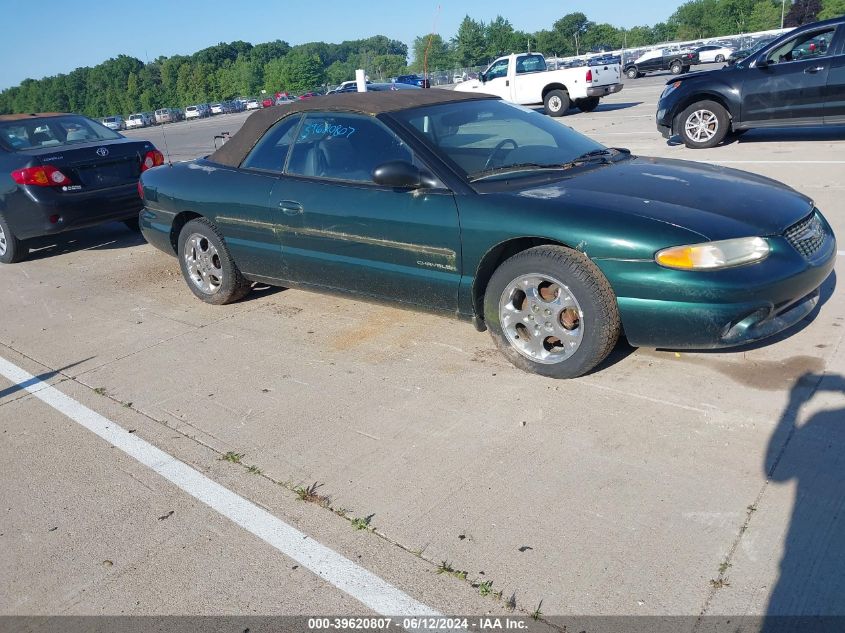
(251, 227)
(496, 81)
(834, 108)
(342, 231)
(788, 83)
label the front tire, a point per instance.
(556, 102)
(703, 125)
(207, 266)
(589, 104)
(552, 312)
(12, 250)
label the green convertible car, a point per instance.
(470, 206)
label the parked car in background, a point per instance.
(524, 79)
(518, 224)
(414, 80)
(165, 115)
(284, 99)
(266, 102)
(745, 52)
(141, 119)
(60, 172)
(710, 53)
(252, 104)
(676, 62)
(795, 80)
(218, 108)
(115, 122)
(199, 111)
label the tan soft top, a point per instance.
(236, 149)
(31, 115)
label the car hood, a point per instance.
(715, 202)
(697, 73)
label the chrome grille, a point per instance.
(807, 236)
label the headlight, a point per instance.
(714, 255)
(670, 88)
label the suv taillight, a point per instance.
(589, 78)
(41, 176)
(153, 158)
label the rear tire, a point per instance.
(676, 68)
(589, 104)
(556, 102)
(703, 124)
(12, 250)
(207, 265)
(552, 312)
(632, 73)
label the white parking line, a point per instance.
(356, 581)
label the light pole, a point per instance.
(782, 11)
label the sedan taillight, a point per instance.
(153, 158)
(41, 176)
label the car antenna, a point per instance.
(163, 135)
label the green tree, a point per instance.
(385, 66)
(571, 29)
(765, 16)
(832, 9)
(501, 39)
(431, 53)
(302, 71)
(469, 44)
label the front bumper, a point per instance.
(36, 211)
(603, 91)
(708, 310)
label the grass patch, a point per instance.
(233, 457)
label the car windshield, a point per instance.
(488, 137)
(35, 133)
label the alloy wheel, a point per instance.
(203, 263)
(541, 318)
(3, 243)
(701, 126)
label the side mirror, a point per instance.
(401, 174)
(763, 63)
(482, 77)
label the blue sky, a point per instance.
(84, 33)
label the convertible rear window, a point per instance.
(36, 133)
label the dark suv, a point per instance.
(797, 79)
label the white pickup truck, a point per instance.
(525, 79)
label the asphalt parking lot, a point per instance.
(664, 484)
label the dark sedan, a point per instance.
(60, 172)
(796, 80)
(462, 204)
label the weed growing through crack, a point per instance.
(233, 457)
(719, 583)
(485, 588)
(537, 612)
(724, 567)
(253, 470)
(362, 523)
(310, 494)
(445, 568)
(100, 391)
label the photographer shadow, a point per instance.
(811, 586)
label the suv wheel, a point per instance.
(703, 124)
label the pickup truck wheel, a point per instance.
(676, 68)
(550, 311)
(588, 105)
(556, 102)
(703, 124)
(207, 266)
(12, 250)
(632, 73)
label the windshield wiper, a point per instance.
(587, 157)
(507, 169)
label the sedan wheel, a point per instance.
(551, 312)
(12, 250)
(720, 59)
(207, 266)
(704, 124)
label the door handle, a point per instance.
(507, 82)
(289, 207)
(814, 70)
